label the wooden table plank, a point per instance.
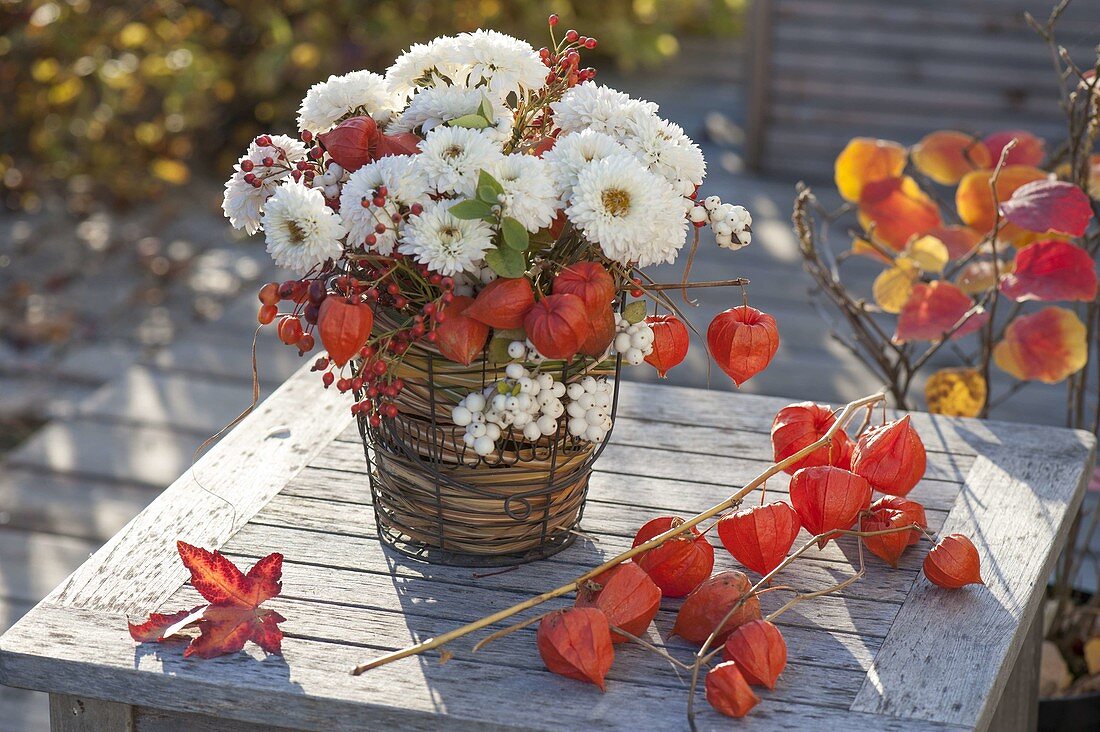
(206, 505)
(75, 651)
(950, 654)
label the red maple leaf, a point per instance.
(234, 615)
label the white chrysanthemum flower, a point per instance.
(452, 157)
(301, 230)
(445, 244)
(360, 92)
(529, 196)
(663, 147)
(589, 106)
(572, 152)
(504, 63)
(633, 214)
(404, 187)
(243, 203)
(433, 106)
(424, 65)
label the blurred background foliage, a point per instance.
(125, 97)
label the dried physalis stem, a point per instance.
(576, 643)
(802, 424)
(728, 691)
(712, 601)
(760, 537)
(953, 563)
(626, 595)
(888, 546)
(759, 650)
(914, 513)
(828, 499)
(890, 457)
(680, 564)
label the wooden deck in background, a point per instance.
(80, 479)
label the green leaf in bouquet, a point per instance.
(515, 234)
(498, 349)
(506, 262)
(512, 334)
(470, 209)
(471, 121)
(485, 109)
(635, 312)
(485, 181)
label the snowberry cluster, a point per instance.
(331, 181)
(634, 341)
(525, 351)
(732, 224)
(528, 402)
(590, 408)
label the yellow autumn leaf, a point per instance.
(893, 286)
(170, 171)
(955, 392)
(929, 253)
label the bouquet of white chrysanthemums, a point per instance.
(481, 172)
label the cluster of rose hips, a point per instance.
(268, 163)
(376, 388)
(565, 58)
(373, 285)
(290, 328)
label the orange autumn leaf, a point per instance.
(932, 310)
(1052, 270)
(234, 615)
(959, 392)
(898, 209)
(959, 240)
(1046, 346)
(864, 160)
(974, 200)
(946, 156)
(1029, 150)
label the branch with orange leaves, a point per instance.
(846, 414)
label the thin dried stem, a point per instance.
(987, 345)
(507, 631)
(656, 649)
(737, 282)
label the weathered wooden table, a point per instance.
(890, 652)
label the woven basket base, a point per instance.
(435, 499)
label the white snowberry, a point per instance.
(461, 416)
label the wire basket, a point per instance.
(437, 500)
